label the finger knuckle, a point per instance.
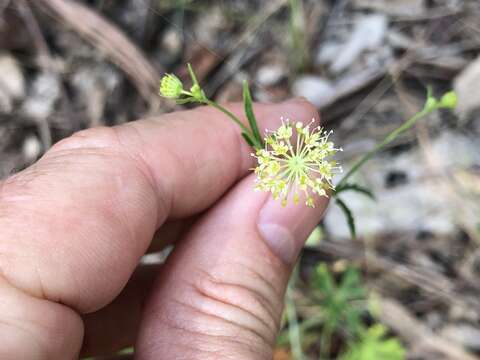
(100, 137)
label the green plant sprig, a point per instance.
(171, 87)
(447, 101)
(339, 304)
(375, 344)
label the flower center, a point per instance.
(296, 163)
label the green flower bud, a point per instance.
(431, 103)
(170, 86)
(449, 100)
(197, 93)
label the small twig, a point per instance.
(397, 317)
(3, 5)
(45, 61)
(390, 137)
(432, 283)
(239, 52)
(44, 56)
(108, 38)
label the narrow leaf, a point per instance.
(192, 75)
(349, 215)
(247, 102)
(324, 280)
(357, 188)
(247, 139)
(185, 101)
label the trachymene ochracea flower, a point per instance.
(292, 164)
(171, 86)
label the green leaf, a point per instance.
(349, 215)
(185, 101)
(374, 344)
(339, 305)
(247, 139)
(351, 281)
(324, 280)
(192, 75)
(196, 90)
(357, 188)
(247, 102)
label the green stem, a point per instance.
(325, 343)
(291, 312)
(293, 327)
(390, 137)
(246, 130)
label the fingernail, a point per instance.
(285, 229)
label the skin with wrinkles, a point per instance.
(76, 223)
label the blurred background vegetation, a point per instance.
(407, 286)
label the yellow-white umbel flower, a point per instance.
(295, 161)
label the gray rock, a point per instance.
(466, 86)
(415, 204)
(94, 83)
(464, 334)
(398, 40)
(44, 93)
(269, 75)
(368, 33)
(393, 7)
(31, 148)
(317, 90)
(12, 82)
(170, 45)
(328, 52)
(6, 104)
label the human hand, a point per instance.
(76, 223)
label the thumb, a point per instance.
(220, 295)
